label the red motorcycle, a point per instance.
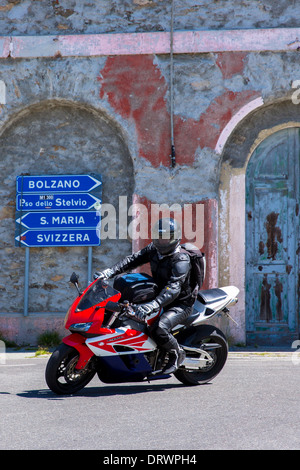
(108, 339)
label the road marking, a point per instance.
(16, 365)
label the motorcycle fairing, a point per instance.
(120, 342)
(90, 305)
(123, 368)
(77, 341)
(193, 335)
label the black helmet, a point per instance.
(166, 235)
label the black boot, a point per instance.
(176, 358)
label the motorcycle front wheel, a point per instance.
(61, 375)
(207, 372)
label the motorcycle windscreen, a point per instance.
(98, 292)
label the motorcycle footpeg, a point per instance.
(155, 372)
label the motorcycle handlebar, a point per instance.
(129, 312)
(125, 309)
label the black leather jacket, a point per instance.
(171, 273)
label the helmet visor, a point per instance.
(166, 236)
(164, 246)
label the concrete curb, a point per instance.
(12, 354)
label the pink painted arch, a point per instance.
(234, 121)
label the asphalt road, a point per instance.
(253, 404)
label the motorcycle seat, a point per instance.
(211, 295)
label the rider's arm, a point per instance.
(133, 261)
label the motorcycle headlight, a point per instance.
(80, 326)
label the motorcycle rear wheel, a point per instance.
(62, 377)
(204, 375)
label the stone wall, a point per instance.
(25, 17)
(57, 138)
(111, 115)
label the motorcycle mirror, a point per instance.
(74, 278)
(113, 306)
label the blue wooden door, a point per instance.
(272, 240)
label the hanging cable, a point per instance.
(173, 155)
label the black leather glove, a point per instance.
(146, 309)
(106, 274)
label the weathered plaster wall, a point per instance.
(118, 123)
(111, 114)
(57, 137)
(76, 16)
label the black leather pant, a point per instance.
(160, 331)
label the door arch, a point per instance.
(272, 234)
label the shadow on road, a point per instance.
(102, 391)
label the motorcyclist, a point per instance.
(171, 271)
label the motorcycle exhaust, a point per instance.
(203, 360)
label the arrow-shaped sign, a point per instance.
(87, 237)
(63, 202)
(57, 184)
(83, 219)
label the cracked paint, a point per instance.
(136, 89)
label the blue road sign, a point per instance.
(58, 183)
(59, 237)
(63, 202)
(58, 210)
(47, 220)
